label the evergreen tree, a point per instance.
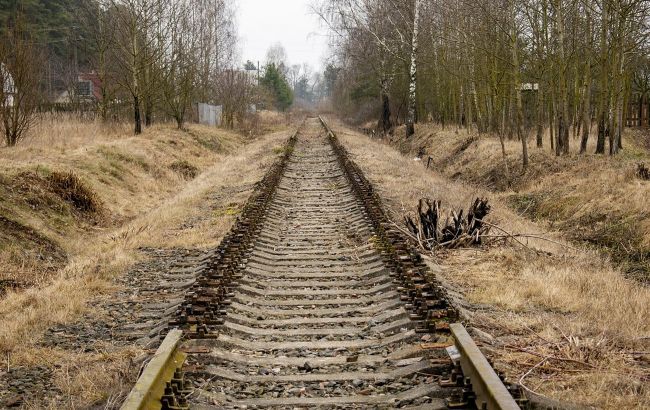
(278, 86)
(55, 24)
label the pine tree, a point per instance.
(278, 85)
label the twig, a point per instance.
(521, 379)
(507, 233)
(409, 234)
(404, 231)
(548, 357)
(526, 235)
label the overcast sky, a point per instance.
(263, 23)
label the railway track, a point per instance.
(315, 300)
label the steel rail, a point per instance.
(160, 386)
(487, 389)
(491, 393)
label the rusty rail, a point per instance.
(161, 384)
(490, 392)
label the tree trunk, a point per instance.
(562, 146)
(385, 124)
(602, 98)
(618, 137)
(551, 124)
(586, 110)
(517, 88)
(136, 114)
(410, 119)
(540, 119)
(135, 85)
(148, 112)
(461, 108)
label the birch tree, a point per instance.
(410, 121)
(509, 67)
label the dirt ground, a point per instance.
(559, 320)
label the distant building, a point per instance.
(529, 87)
(208, 114)
(86, 90)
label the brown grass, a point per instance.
(149, 205)
(570, 313)
(82, 178)
(72, 190)
(597, 199)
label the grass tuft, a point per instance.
(72, 190)
(184, 169)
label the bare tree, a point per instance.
(142, 28)
(235, 92)
(492, 64)
(410, 121)
(20, 75)
(179, 64)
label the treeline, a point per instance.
(518, 68)
(284, 84)
(55, 25)
(154, 56)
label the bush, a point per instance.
(185, 169)
(71, 189)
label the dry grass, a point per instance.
(581, 322)
(148, 205)
(86, 167)
(597, 199)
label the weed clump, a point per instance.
(642, 171)
(184, 169)
(71, 189)
(285, 149)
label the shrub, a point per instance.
(185, 169)
(71, 189)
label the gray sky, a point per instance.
(263, 23)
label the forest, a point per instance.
(137, 59)
(542, 69)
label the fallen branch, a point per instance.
(549, 357)
(514, 236)
(521, 379)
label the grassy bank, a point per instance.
(165, 189)
(561, 321)
(592, 199)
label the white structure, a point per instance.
(209, 114)
(529, 87)
(8, 87)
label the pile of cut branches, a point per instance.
(456, 231)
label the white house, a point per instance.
(8, 87)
